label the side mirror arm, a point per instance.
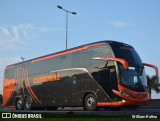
(152, 66)
(122, 61)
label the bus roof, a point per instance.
(105, 41)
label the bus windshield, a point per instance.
(126, 52)
(134, 78)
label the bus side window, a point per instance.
(95, 75)
(104, 80)
(10, 73)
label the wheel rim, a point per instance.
(90, 102)
(19, 104)
(28, 104)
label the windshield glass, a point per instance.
(134, 78)
(126, 52)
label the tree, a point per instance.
(153, 84)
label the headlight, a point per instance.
(123, 101)
(124, 93)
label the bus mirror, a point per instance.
(122, 61)
(152, 66)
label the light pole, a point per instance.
(74, 13)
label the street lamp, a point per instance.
(74, 13)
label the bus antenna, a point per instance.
(22, 58)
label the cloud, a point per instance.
(15, 36)
(44, 29)
(4, 61)
(119, 24)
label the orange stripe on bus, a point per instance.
(27, 85)
(31, 94)
(30, 90)
(114, 104)
(11, 106)
(67, 52)
(132, 93)
(8, 85)
(8, 67)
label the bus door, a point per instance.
(108, 80)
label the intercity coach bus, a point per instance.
(100, 74)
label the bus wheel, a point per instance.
(19, 104)
(90, 102)
(28, 103)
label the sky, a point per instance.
(32, 28)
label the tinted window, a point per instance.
(10, 73)
(99, 51)
(134, 78)
(126, 52)
(80, 59)
(84, 58)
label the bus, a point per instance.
(99, 74)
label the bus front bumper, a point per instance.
(126, 101)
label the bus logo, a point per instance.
(124, 48)
(48, 78)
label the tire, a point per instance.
(28, 103)
(19, 104)
(90, 103)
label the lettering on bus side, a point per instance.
(48, 78)
(125, 48)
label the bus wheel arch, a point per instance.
(19, 103)
(90, 101)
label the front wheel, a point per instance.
(28, 103)
(90, 103)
